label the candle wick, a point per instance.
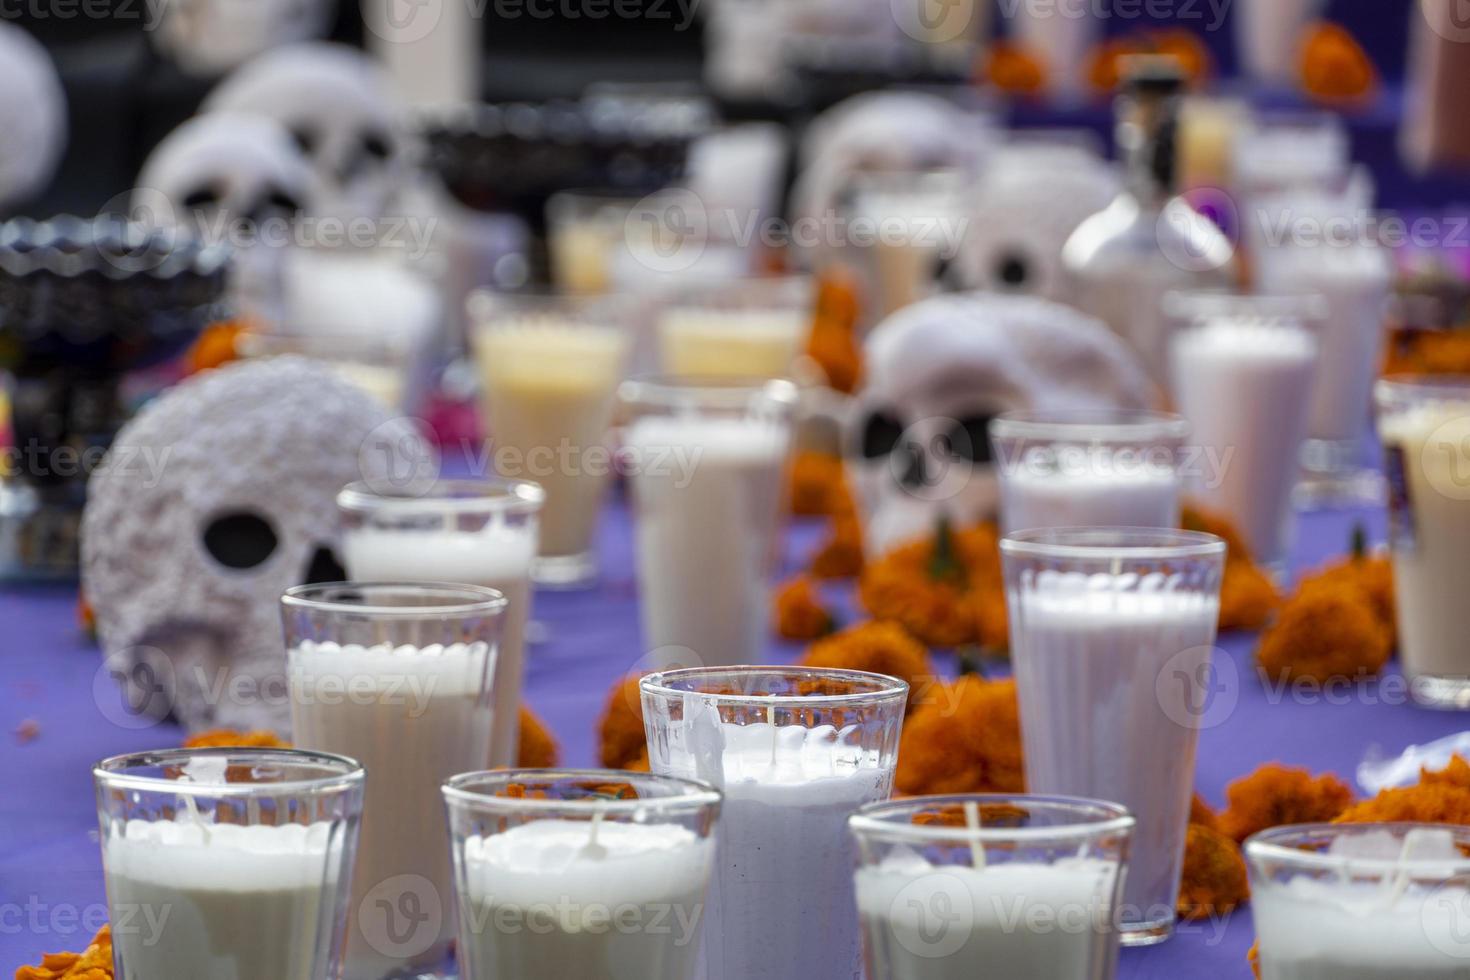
(194, 813)
(771, 720)
(972, 821)
(592, 847)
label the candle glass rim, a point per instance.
(1195, 306)
(1129, 426)
(717, 392)
(111, 773)
(465, 600)
(868, 821)
(491, 496)
(882, 687)
(1100, 543)
(697, 295)
(696, 794)
(611, 305)
(1271, 845)
(1393, 389)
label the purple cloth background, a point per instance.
(51, 895)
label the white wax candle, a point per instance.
(546, 899)
(1109, 684)
(498, 556)
(1246, 387)
(413, 716)
(954, 922)
(782, 894)
(1329, 928)
(1145, 497)
(754, 343)
(191, 899)
(1428, 460)
(707, 494)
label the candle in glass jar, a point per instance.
(757, 343)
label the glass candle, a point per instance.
(796, 751)
(1111, 639)
(580, 873)
(753, 327)
(1088, 469)
(1242, 370)
(550, 368)
(1424, 425)
(1361, 901)
(705, 460)
(470, 531)
(914, 220)
(228, 862)
(400, 677)
(952, 887)
(584, 228)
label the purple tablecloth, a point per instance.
(50, 877)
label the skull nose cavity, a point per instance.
(324, 567)
(913, 470)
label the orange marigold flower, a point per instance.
(841, 556)
(1325, 632)
(817, 483)
(1214, 877)
(1015, 69)
(621, 730)
(800, 614)
(941, 589)
(882, 648)
(94, 963)
(1457, 773)
(1198, 518)
(1439, 797)
(833, 343)
(1248, 596)
(1274, 795)
(1200, 813)
(964, 738)
(229, 738)
(538, 748)
(1371, 573)
(1253, 957)
(1334, 66)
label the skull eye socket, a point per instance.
(240, 539)
(377, 145)
(275, 203)
(305, 139)
(201, 197)
(967, 438)
(1013, 270)
(881, 434)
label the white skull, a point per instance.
(1028, 203)
(210, 37)
(340, 106)
(32, 116)
(235, 179)
(938, 371)
(217, 497)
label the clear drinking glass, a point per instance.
(580, 873)
(705, 460)
(1088, 468)
(915, 219)
(1112, 631)
(753, 327)
(1424, 425)
(1242, 370)
(228, 862)
(401, 677)
(795, 750)
(984, 885)
(584, 229)
(1361, 901)
(477, 532)
(550, 367)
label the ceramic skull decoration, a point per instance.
(210, 37)
(340, 107)
(231, 178)
(1028, 203)
(32, 116)
(219, 495)
(939, 371)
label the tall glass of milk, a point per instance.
(580, 873)
(1242, 371)
(228, 862)
(1112, 631)
(705, 459)
(796, 751)
(982, 885)
(398, 676)
(478, 532)
(550, 368)
(755, 327)
(584, 228)
(1424, 424)
(1088, 468)
(1361, 901)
